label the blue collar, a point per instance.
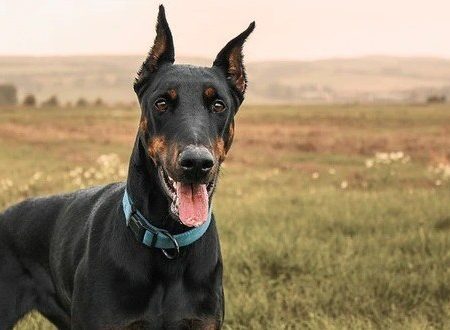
(159, 238)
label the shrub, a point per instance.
(99, 102)
(52, 101)
(29, 100)
(8, 94)
(436, 99)
(82, 103)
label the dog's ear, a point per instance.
(161, 52)
(230, 61)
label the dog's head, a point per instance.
(187, 121)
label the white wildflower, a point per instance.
(442, 171)
(382, 157)
(122, 172)
(369, 163)
(36, 176)
(406, 159)
(75, 172)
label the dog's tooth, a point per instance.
(174, 209)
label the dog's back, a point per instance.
(30, 224)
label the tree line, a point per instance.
(9, 97)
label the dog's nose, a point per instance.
(196, 162)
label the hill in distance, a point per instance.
(365, 79)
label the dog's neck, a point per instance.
(145, 191)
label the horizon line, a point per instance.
(206, 58)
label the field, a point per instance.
(331, 217)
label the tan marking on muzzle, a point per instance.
(174, 156)
(143, 125)
(230, 137)
(219, 150)
(157, 146)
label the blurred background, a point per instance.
(303, 52)
(342, 150)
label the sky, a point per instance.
(285, 29)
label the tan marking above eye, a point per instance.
(210, 92)
(172, 93)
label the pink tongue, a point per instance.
(193, 203)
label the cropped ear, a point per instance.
(230, 61)
(161, 52)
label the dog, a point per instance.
(145, 253)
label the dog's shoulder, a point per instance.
(99, 194)
(51, 202)
(87, 203)
(43, 210)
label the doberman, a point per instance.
(143, 254)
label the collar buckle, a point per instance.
(139, 229)
(176, 246)
(136, 226)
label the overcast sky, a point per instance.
(286, 29)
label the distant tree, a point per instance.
(52, 102)
(81, 103)
(29, 101)
(436, 99)
(99, 102)
(8, 94)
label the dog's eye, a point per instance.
(218, 106)
(161, 105)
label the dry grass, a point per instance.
(316, 232)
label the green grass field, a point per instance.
(330, 217)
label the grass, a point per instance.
(312, 238)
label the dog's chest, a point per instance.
(179, 307)
(167, 301)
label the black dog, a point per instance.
(143, 254)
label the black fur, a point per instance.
(72, 258)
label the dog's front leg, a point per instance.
(205, 324)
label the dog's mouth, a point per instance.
(189, 202)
